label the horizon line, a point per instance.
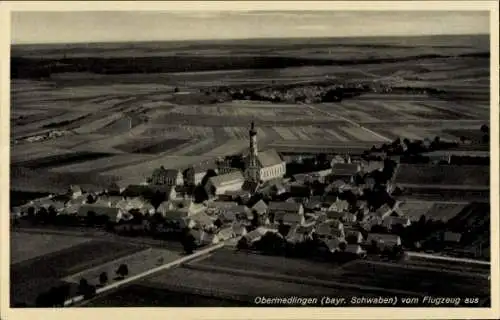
(243, 39)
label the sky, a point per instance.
(118, 26)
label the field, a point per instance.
(443, 175)
(443, 211)
(29, 278)
(25, 246)
(119, 117)
(235, 279)
(136, 263)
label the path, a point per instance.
(139, 276)
(445, 258)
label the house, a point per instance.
(370, 166)
(260, 207)
(344, 171)
(75, 191)
(383, 241)
(384, 211)
(187, 206)
(131, 204)
(169, 177)
(370, 220)
(452, 237)
(136, 191)
(219, 185)
(330, 229)
(221, 207)
(203, 238)
(391, 221)
(202, 220)
(353, 236)
(313, 204)
(355, 249)
(225, 233)
(165, 191)
(238, 229)
(339, 206)
(336, 186)
(302, 178)
(147, 209)
(320, 176)
(99, 210)
(298, 234)
(299, 190)
(291, 219)
(333, 244)
(273, 187)
(194, 174)
(285, 207)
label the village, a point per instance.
(338, 207)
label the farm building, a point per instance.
(194, 174)
(330, 229)
(219, 185)
(344, 172)
(299, 234)
(355, 249)
(260, 207)
(383, 241)
(285, 207)
(112, 213)
(169, 177)
(262, 166)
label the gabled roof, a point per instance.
(99, 210)
(227, 179)
(354, 248)
(452, 236)
(202, 219)
(284, 206)
(268, 158)
(345, 169)
(384, 238)
(225, 233)
(260, 207)
(136, 191)
(222, 205)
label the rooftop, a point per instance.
(228, 178)
(269, 158)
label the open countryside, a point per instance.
(188, 174)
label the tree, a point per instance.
(485, 129)
(31, 212)
(90, 199)
(122, 271)
(103, 278)
(243, 244)
(218, 223)
(342, 246)
(91, 218)
(82, 286)
(52, 213)
(188, 242)
(256, 220)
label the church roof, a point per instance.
(269, 158)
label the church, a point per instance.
(262, 166)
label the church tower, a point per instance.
(253, 169)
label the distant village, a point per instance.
(334, 206)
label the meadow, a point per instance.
(154, 109)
